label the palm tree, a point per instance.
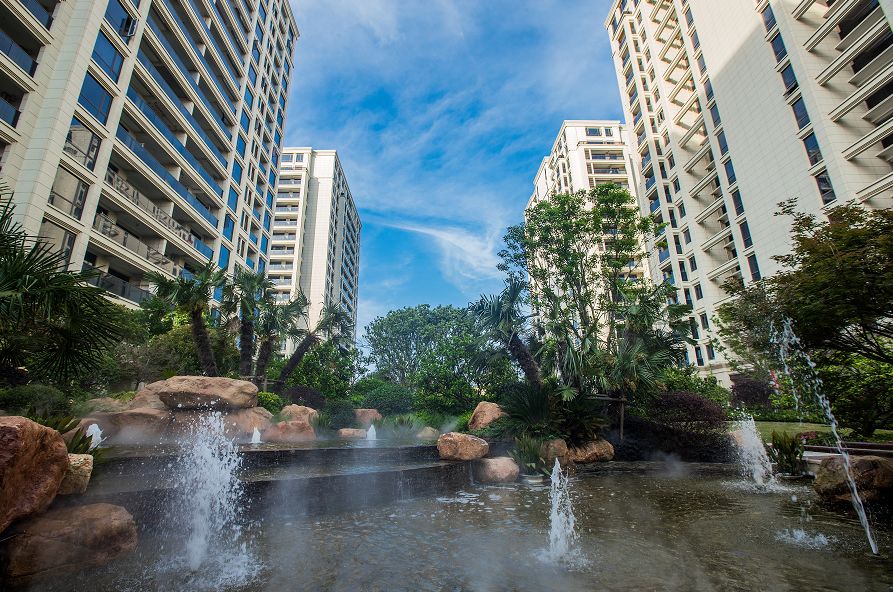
(276, 322)
(334, 324)
(242, 297)
(191, 295)
(52, 322)
(502, 318)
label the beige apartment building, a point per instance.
(316, 234)
(144, 135)
(737, 105)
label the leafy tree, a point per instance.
(687, 379)
(242, 297)
(277, 323)
(860, 391)
(192, 295)
(328, 368)
(334, 326)
(388, 399)
(53, 324)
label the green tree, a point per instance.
(243, 295)
(860, 391)
(192, 295)
(277, 323)
(329, 368)
(334, 326)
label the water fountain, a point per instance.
(255, 436)
(370, 433)
(563, 536)
(796, 361)
(95, 434)
(752, 454)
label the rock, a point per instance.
(456, 446)
(242, 422)
(203, 392)
(289, 431)
(80, 467)
(351, 434)
(427, 433)
(873, 474)
(592, 452)
(501, 469)
(67, 540)
(484, 414)
(554, 449)
(365, 417)
(107, 404)
(133, 425)
(146, 400)
(301, 412)
(33, 462)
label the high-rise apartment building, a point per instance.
(738, 105)
(144, 135)
(316, 234)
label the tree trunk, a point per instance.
(264, 353)
(521, 353)
(246, 345)
(203, 343)
(306, 344)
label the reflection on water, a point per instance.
(640, 533)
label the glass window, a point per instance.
(778, 48)
(699, 356)
(789, 79)
(245, 121)
(736, 200)
(593, 131)
(768, 18)
(237, 172)
(263, 244)
(95, 99)
(723, 144)
(800, 113)
(267, 221)
(745, 234)
(223, 259)
(826, 190)
(812, 149)
(108, 58)
(730, 172)
(249, 98)
(693, 263)
(233, 201)
(702, 66)
(68, 193)
(252, 75)
(708, 86)
(228, 226)
(754, 267)
(120, 20)
(82, 144)
(699, 293)
(714, 115)
(240, 145)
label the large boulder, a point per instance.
(146, 399)
(456, 446)
(299, 412)
(365, 417)
(591, 452)
(351, 434)
(427, 433)
(553, 450)
(873, 475)
(107, 404)
(203, 392)
(242, 422)
(77, 477)
(33, 462)
(501, 469)
(484, 414)
(289, 432)
(66, 540)
(134, 425)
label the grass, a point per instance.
(767, 427)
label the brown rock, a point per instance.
(146, 399)
(33, 462)
(873, 475)
(80, 467)
(242, 422)
(107, 404)
(65, 540)
(501, 469)
(365, 417)
(591, 452)
(427, 433)
(456, 446)
(351, 434)
(203, 392)
(300, 412)
(555, 449)
(289, 431)
(133, 425)
(484, 414)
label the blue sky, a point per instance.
(441, 111)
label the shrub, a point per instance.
(341, 414)
(125, 396)
(270, 401)
(787, 452)
(462, 421)
(389, 399)
(688, 412)
(361, 389)
(439, 421)
(688, 380)
(305, 395)
(528, 454)
(751, 392)
(400, 426)
(527, 410)
(33, 399)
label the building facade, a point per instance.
(144, 135)
(738, 105)
(316, 234)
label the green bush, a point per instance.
(687, 380)
(270, 401)
(528, 454)
(438, 421)
(527, 410)
(787, 452)
(341, 414)
(36, 399)
(389, 399)
(125, 396)
(462, 421)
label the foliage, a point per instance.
(34, 399)
(400, 426)
(751, 392)
(364, 386)
(688, 412)
(54, 326)
(439, 421)
(276, 323)
(340, 414)
(174, 354)
(334, 328)
(462, 421)
(528, 411)
(305, 395)
(321, 422)
(787, 452)
(687, 379)
(496, 430)
(243, 295)
(270, 401)
(389, 399)
(527, 454)
(78, 442)
(860, 391)
(327, 368)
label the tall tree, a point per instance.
(192, 295)
(242, 298)
(275, 324)
(334, 325)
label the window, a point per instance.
(237, 172)
(745, 234)
(778, 48)
(702, 66)
(699, 293)
(686, 234)
(692, 263)
(812, 149)
(705, 323)
(769, 18)
(754, 267)
(223, 258)
(59, 238)
(228, 225)
(711, 352)
(789, 79)
(826, 190)
(730, 172)
(593, 131)
(252, 75)
(120, 20)
(736, 200)
(245, 121)
(68, 193)
(714, 115)
(240, 145)
(108, 58)
(249, 98)
(800, 113)
(82, 144)
(708, 87)
(95, 99)
(699, 356)
(233, 201)
(723, 144)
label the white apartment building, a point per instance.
(737, 105)
(316, 234)
(144, 135)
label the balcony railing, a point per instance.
(159, 169)
(118, 287)
(132, 244)
(144, 203)
(18, 55)
(275, 251)
(8, 113)
(287, 209)
(203, 248)
(223, 57)
(73, 207)
(40, 12)
(663, 255)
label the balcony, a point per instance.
(118, 287)
(8, 113)
(162, 172)
(274, 252)
(223, 58)
(203, 248)
(287, 209)
(40, 12)
(74, 207)
(663, 254)
(653, 205)
(107, 228)
(17, 54)
(133, 195)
